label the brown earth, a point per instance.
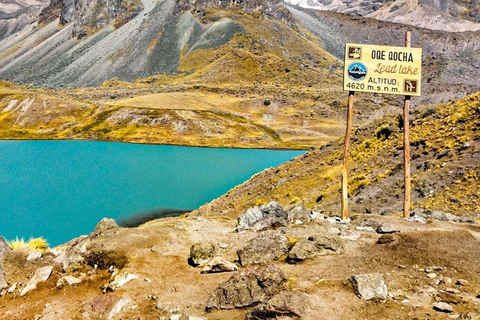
(157, 253)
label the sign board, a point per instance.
(382, 69)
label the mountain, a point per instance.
(445, 15)
(88, 44)
(17, 14)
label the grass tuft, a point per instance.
(39, 244)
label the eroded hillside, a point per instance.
(445, 143)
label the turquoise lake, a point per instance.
(61, 189)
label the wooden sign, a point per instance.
(382, 69)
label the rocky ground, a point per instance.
(270, 263)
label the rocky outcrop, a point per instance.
(285, 304)
(268, 246)
(439, 215)
(270, 215)
(104, 225)
(88, 17)
(15, 15)
(269, 8)
(201, 253)
(247, 288)
(370, 286)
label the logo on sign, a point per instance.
(410, 86)
(357, 71)
(354, 53)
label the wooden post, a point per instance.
(406, 144)
(346, 155)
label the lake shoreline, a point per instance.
(167, 144)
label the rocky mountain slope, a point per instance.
(140, 39)
(18, 14)
(445, 144)
(446, 15)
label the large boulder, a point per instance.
(315, 246)
(284, 304)
(370, 286)
(268, 246)
(201, 253)
(270, 215)
(247, 288)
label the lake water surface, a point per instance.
(61, 189)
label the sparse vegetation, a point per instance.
(39, 244)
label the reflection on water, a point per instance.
(140, 218)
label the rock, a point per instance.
(104, 225)
(350, 235)
(4, 247)
(120, 280)
(442, 307)
(369, 223)
(303, 249)
(431, 275)
(201, 253)
(417, 218)
(449, 296)
(386, 228)
(247, 288)
(445, 153)
(75, 254)
(462, 283)
(369, 229)
(270, 215)
(41, 275)
(266, 247)
(3, 281)
(433, 268)
(439, 215)
(33, 255)
(219, 264)
(67, 280)
(370, 286)
(12, 288)
(385, 239)
(333, 220)
(267, 102)
(285, 304)
(299, 213)
(313, 246)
